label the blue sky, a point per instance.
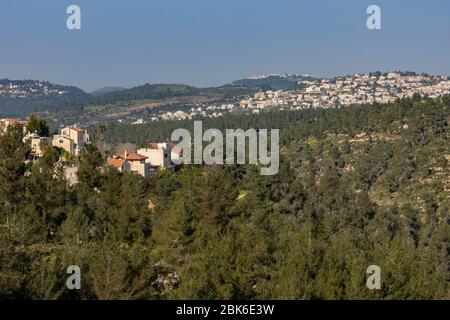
(212, 42)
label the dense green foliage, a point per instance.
(162, 130)
(38, 126)
(106, 90)
(356, 187)
(163, 91)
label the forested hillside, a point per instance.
(47, 99)
(18, 98)
(365, 185)
(162, 91)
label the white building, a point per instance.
(160, 154)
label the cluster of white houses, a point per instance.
(145, 161)
(349, 90)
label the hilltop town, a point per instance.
(62, 105)
(353, 89)
(320, 93)
(29, 88)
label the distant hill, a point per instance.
(146, 92)
(164, 91)
(20, 97)
(106, 90)
(274, 82)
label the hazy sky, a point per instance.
(212, 42)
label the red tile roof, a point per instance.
(131, 156)
(76, 129)
(117, 163)
(13, 120)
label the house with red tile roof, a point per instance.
(131, 156)
(120, 164)
(5, 123)
(130, 162)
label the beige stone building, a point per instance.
(131, 162)
(5, 123)
(72, 139)
(63, 142)
(38, 144)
